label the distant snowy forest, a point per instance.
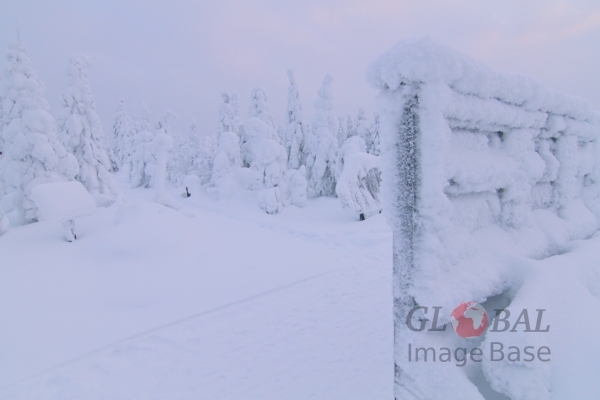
(283, 164)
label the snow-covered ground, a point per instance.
(232, 303)
(149, 303)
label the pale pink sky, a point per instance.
(180, 55)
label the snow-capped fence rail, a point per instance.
(480, 170)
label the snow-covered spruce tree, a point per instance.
(3, 222)
(258, 109)
(142, 161)
(227, 158)
(226, 115)
(122, 137)
(354, 144)
(350, 128)
(375, 144)
(177, 158)
(238, 122)
(202, 149)
(81, 131)
(321, 158)
(294, 134)
(358, 185)
(268, 159)
(362, 128)
(297, 186)
(341, 133)
(1, 127)
(32, 152)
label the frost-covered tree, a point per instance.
(238, 123)
(81, 131)
(201, 157)
(374, 147)
(294, 134)
(1, 126)
(3, 222)
(362, 129)
(354, 144)
(321, 158)
(32, 152)
(350, 128)
(226, 115)
(259, 107)
(358, 185)
(297, 186)
(122, 137)
(227, 158)
(142, 161)
(268, 159)
(341, 133)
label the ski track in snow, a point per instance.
(325, 335)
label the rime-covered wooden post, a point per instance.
(405, 207)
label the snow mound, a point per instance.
(62, 201)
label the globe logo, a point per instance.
(469, 319)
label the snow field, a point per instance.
(292, 307)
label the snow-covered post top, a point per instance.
(467, 151)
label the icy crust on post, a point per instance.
(424, 61)
(481, 172)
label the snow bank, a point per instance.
(62, 201)
(481, 171)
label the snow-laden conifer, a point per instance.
(238, 122)
(297, 186)
(260, 109)
(202, 154)
(81, 131)
(142, 161)
(3, 222)
(294, 134)
(227, 158)
(358, 185)
(341, 133)
(362, 129)
(321, 158)
(32, 153)
(226, 115)
(374, 146)
(350, 128)
(122, 137)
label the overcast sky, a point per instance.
(180, 55)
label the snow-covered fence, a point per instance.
(480, 170)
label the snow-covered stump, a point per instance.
(63, 202)
(480, 172)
